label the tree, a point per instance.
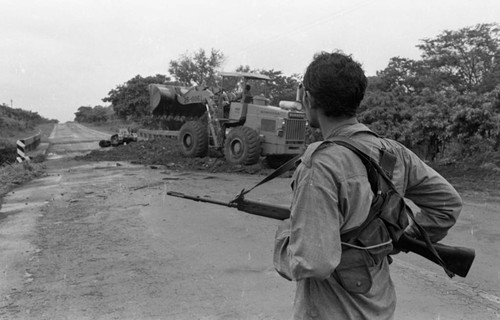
(131, 99)
(245, 68)
(475, 124)
(430, 121)
(197, 68)
(93, 114)
(387, 114)
(407, 76)
(466, 58)
(83, 114)
(450, 92)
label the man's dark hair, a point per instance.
(336, 82)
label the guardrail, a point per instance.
(27, 144)
(145, 134)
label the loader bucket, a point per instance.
(163, 102)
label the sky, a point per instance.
(59, 55)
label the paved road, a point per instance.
(104, 241)
(71, 138)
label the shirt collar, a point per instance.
(343, 128)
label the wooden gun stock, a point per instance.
(456, 259)
(264, 210)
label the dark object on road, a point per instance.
(457, 259)
(104, 143)
(124, 136)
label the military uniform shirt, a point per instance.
(331, 194)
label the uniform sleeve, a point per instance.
(439, 203)
(308, 245)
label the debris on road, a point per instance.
(166, 152)
(123, 137)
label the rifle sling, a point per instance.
(287, 166)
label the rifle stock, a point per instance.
(264, 210)
(457, 259)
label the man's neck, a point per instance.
(328, 125)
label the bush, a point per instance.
(8, 152)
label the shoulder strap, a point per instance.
(384, 169)
(374, 172)
(373, 165)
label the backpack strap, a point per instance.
(387, 160)
(371, 165)
(374, 172)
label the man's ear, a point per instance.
(309, 98)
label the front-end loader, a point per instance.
(235, 118)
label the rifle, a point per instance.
(456, 259)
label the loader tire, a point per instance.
(242, 146)
(193, 137)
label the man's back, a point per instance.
(333, 180)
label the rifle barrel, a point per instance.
(200, 199)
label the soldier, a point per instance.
(247, 94)
(332, 194)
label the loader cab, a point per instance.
(243, 88)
